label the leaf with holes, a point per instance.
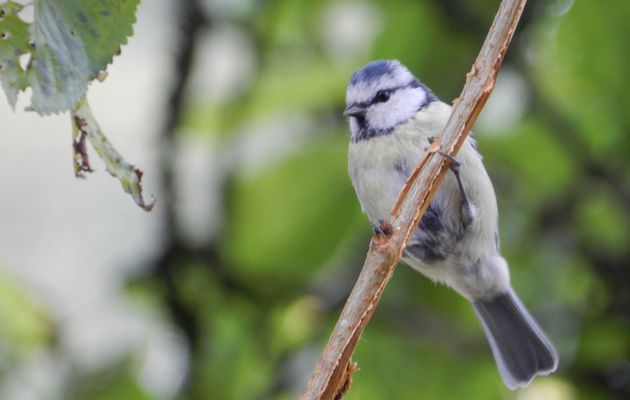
(74, 41)
(13, 43)
(71, 42)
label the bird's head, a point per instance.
(382, 95)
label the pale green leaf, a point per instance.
(101, 26)
(74, 41)
(58, 73)
(71, 42)
(13, 43)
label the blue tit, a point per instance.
(393, 119)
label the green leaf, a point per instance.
(13, 44)
(103, 26)
(58, 71)
(72, 41)
(84, 125)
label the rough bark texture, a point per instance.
(332, 375)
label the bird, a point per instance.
(393, 119)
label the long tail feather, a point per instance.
(521, 349)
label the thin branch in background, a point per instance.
(189, 22)
(332, 375)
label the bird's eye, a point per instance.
(381, 96)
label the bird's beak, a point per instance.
(354, 110)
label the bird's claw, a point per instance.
(383, 228)
(455, 164)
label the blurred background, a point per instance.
(231, 286)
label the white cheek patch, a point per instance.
(402, 105)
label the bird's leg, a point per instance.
(469, 213)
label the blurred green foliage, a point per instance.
(277, 200)
(262, 296)
(24, 326)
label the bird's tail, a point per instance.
(520, 348)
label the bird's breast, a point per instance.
(379, 167)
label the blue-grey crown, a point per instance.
(377, 70)
(374, 70)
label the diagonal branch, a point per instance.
(332, 375)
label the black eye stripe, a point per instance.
(378, 97)
(414, 84)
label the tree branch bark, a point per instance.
(332, 375)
